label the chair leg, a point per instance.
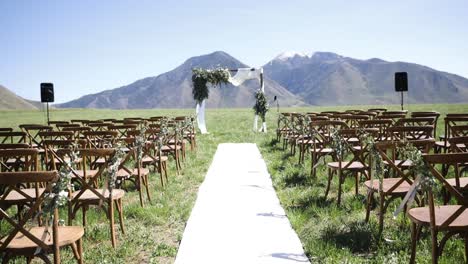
(79, 244)
(330, 176)
(435, 248)
(370, 195)
(74, 247)
(340, 181)
(165, 170)
(414, 237)
(140, 191)
(160, 169)
(312, 164)
(111, 220)
(356, 188)
(147, 188)
(120, 210)
(381, 212)
(85, 207)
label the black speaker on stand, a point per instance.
(47, 96)
(401, 84)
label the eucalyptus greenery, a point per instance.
(140, 142)
(201, 77)
(261, 106)
(111, 171)
(418, 167)
(58, 195)
(377, 166)
(338, 143)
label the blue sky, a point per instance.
(88, 46)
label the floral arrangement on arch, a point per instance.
(201, 77)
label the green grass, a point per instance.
(329, 234)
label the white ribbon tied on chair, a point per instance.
(200, 111)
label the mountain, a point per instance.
(11, 101)
(174, 89)
(326, 78)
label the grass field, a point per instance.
(329, 234)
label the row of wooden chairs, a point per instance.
(333, 135)
(90, 154)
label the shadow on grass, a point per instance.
(272, 145)
(311, 201)
(356, 236)
(295, 178)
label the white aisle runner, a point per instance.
(237, 217)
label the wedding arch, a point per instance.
(202, 77)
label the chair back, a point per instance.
(25, 159)
(12, 137)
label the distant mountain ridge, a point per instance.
(11, 101)
(173, 89)
(326, 78)
(320, 78)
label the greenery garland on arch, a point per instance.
(201, 77)
(261, 106)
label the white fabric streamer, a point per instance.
(200, 111)
(241, 76)
(244, 74)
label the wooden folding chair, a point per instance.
(171, 145)
(319, 132)
(6, 129)
(393, 117)
(353, 121)
(449, 219)
(131, 169)
(449, 121)
(100, 139)
(14, 160)
(32, 132)
(380, 124)
(410, 132)
(122, 130)
(36, 241)
(78, 132)
(152, 153)
(60, 127)
(401, 178)
(356, 166)
(187, 130)
(90, 194)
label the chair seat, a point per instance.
(124, 174)
(405, 164)
(170, 148)
(89, 195)
(355, 165)
(323, 151)
(463, 182)
(147, 160)
(15, 197)
(387, 184)
(89, 173)
(442, 213)
(66, 236)
(441, 144)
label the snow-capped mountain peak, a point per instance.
(291, 54)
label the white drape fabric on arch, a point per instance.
(244, 74)
(200, 111)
